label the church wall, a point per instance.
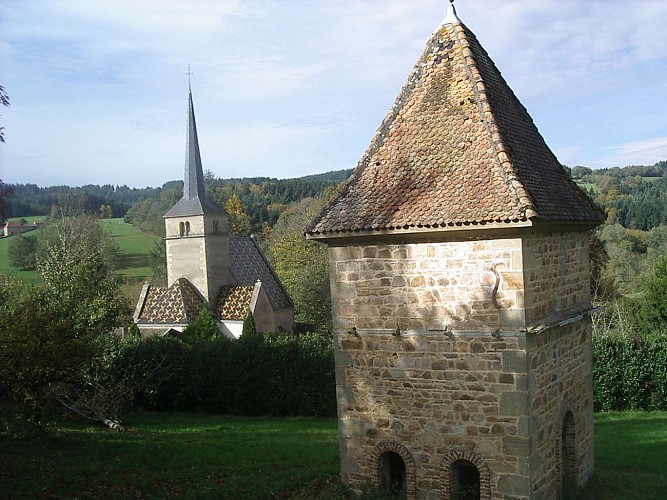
(263, 315)
(204, 261)
(185, 259)
(284, 319)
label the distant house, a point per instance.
(206, 267)
(13, 227)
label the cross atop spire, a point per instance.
(189, 73)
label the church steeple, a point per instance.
(194, 175)
(196, 229)
(194, 200)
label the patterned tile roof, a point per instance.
(234, 302)
(457, 148)
(178, 304)
(248, 264)
(181, 302)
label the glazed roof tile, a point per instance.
(181, 302)
(178, 304)
(234, 302)
(248, 265)
(456, 148)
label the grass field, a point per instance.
(134, 247)
(133, 256)
(177, 455)
(194, 455)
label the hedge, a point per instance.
(630, 373)
(255, 375)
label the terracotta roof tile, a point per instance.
(457, 147)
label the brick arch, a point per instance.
(475, 459)
(410, 469)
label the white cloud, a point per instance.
(644, 152)
(287, 86)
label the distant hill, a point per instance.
(634, 196)
(31, 199)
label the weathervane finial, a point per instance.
(451, 17)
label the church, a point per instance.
(206, 267)
(459, 264)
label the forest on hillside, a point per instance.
(262, 198)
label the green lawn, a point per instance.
(195, 455)
(133, 256)
(5, 267)
(177, 455)
(630, 456)
(134, 247)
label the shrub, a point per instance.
(256, 375)
(630, 372)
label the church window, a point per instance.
(187, 228)
(181, 229)
(464, 481)
(393, 479)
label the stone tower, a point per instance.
(460, 291)
(197, 230)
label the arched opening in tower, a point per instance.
(393, 478)
(465, 484)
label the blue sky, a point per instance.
(295, 87)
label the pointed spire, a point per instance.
(451, 17)
(194, 200)
(194, 175)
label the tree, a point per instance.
(21, 250)
(158, 263)
(655, 295)
(5, 192)
(204, 328)
(303, 266)
(4, 100)
(239, 220)
(50, 334)
(40, 352)
(75, 262)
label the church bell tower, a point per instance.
(197, 230)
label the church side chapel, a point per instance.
(206, 267)
(459, 269)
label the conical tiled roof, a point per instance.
(194, 200)
(457, 148)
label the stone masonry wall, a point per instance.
(434, 395)
(432, 356)
(469, 285)
(560, 380)
(202, 258)
(557, 271)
